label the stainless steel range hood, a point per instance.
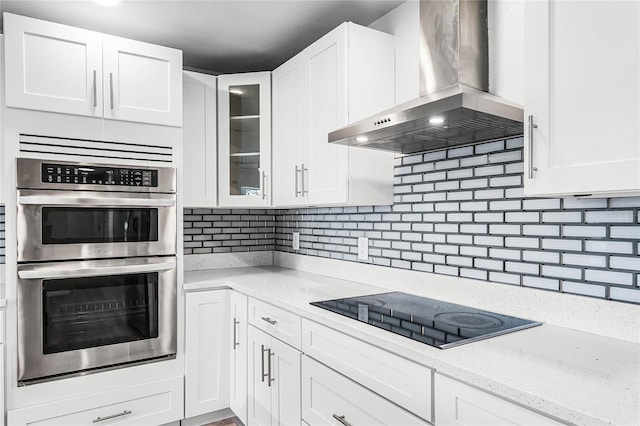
(454, 107)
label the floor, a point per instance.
(233, 421)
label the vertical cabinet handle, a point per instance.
(235, 334)
(264, 185)
(269, 378)
(532, 126)
(303, 169)
(262, 361)
(113, 416)
(95, 90)
(296, 180)
(111, 89)
(341, 419)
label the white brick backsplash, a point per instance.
(625, 202)
(411, 179)
(422, 227)
(488, 217)
(411, 198)
(433, 258)
(620, 247)
(625, 294)
(504, 278)
(460, 196)
(400, 245)
(460, 152)
(429, 177)
(496, 265)
(474, 183)
(459, 217)
(473, 228)
(402, 189)
(515, 143)
(542, 230)
(617, 262)
(434, 238)
(445, 270)
(423, 267)
(522, 242)
(514, 180)
(424, 187)
(505, 229)
(411, 255)
(474, 274)
(553, 244)
(584, 260)
(506, 205)
(627, 232)
(424, 207)
(514, 168)
(447, 185)
(433, 217)
(488, 240)
(489, 147)
(448, 164)
(412, 159)
(544, 283)
(447, 207)
(474, 161)
(460, 261)
(514, 192)
(584, 231)
(459, 174)
(504, 254)
(473, 251)
(609, 216)
(584, 289)
(437, 155)
(543, 204)
(434, 196)
(504, 157)
(459, 239)
(488, 194)
(474, 206)
(445, 248)
(608, 277)
(584, 203)
(446, 227)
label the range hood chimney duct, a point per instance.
(454, 107)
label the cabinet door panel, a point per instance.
(259, 391)
(207, 352)
(326, 176)
(582, 85)
(286, 386)
(52, 67)
(239, 366)
(142, 82)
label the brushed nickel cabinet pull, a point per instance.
(269, 378)
(269, 320)
(532, 126)
(264, 185)
(341, 419)
(111, 89)
(303, 169)
(95, 90)
(262, 362)
(113, 416)
(296, 180)
(235, 334)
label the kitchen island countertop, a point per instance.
(573, 376)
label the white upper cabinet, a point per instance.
(582, 103)
(199, 138)
(244, 140)
(58, 68)
(345, 76)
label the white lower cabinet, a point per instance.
(238, 355)
(206, 352)
(274, 381)
(150, 404)
(329, 398)
(459, 404)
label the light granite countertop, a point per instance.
(573, 376)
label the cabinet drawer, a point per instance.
(402, 381)
(459, 404)
(275, 321)
(147, 404)
(327, 395)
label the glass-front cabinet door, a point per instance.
(244, 139)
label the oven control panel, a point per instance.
(92, 175)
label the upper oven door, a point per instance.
(66, 225)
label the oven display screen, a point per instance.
(90, 175)
(80, 225)
(80, 313)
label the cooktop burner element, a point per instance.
(434, 322)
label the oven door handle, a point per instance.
(52, 273)
(94, 201)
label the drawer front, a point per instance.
(148, 404)
(402, 381)
(329, 398)
(459, 404)
(275, 321)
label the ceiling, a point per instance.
(223, 36)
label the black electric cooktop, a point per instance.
(434, 322)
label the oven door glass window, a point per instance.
(78, 225)
(81, 313)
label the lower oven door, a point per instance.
(74, 317)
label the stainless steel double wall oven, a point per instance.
(96, 267)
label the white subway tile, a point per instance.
(446, 227)
(422, 207)
(561, 217)
(489, 147)
(473, 206)
(609, 216)
(402, 264)
(433, 258)
(411, 255)
(504, 278)
(434, 238)
(473, 273)
(584, 260)
(515, 143)
(422, 227)
(561, 272)
(485, 240)
(497, 253)
(422, 247)
(542, 204)
(522, 217)
(542, 230)
(541, 256)
(447, 207)
(448, 185)
(445, 248)
(608, 277)
(459, 239)
(460, 261)
(515, 180)
(437, 155)
(429, 177)
(433, 217)
(391, 253)
(496, 265)
(422, 267)
(411, 178)
(394, 226)
(544, 283)
(507, 156)
(625, 294)
(411, 236)
(504, 229)
(628, 232)
(411, 217)
(584, 203)
(584, 231)
(514, 192)
(460, 152)
(459, 174)
(381, 261)
(446, 270)
(620, 247)
(618, 262)
(506, 205)
(489, 217)
(459, 195)
(584, 289)
(473, 228)
(424, 187)
(522, 242)
(411, 198)
(391, 235)
(474, 183)
(412, 159)
(448, 164)
(473, 251)
(382, 243)
(488, 194)
(398, 160)
(561, 244)
(402, 170)
(474, 161)
(514, 167)
(489, 170)
(435, 196)
(625, 202)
